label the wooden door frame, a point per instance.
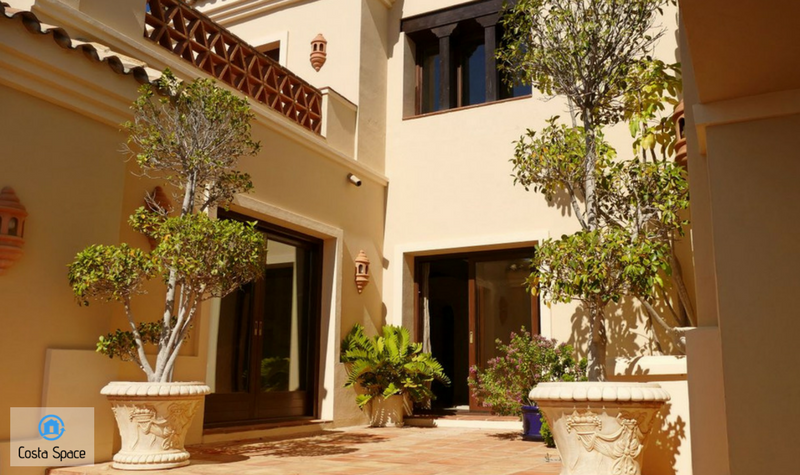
(315, 248)
(473, 258)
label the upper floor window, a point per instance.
(271, 50)
(455, 57)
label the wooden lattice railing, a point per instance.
(197, 39)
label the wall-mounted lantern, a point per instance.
(680, 135)
(362, 271)
(12, 228)
(157, 202)
(319, 51)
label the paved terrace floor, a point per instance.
(352, 451)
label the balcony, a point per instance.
(197, 39)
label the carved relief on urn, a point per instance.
(600, 428)
(12, 228)
(153, 420)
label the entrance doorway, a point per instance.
(267, 337)
(464, 303)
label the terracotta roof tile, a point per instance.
(118, 63)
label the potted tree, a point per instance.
(597, 56)
(191, 135)
(389, 373)
(524, 362)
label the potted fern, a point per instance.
(389, 373)
(191, 135)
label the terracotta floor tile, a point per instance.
(357, 451)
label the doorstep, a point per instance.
(295, 428)
(474, 420)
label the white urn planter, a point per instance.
(600, 428)
(153, 419)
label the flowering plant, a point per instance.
(524, 362)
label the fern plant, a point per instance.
(389, 364)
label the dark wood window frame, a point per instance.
(449, 27)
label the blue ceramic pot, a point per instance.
(531, 424)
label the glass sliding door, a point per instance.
(266, 348)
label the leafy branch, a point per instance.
(191, 135)
(597, 54)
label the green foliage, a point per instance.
(274, 374)
(122, 344)
(190, 134)
(554, 160)
(506, 381)
(193, 135)
(651, 84)
(596, 53)
(389, 364)
(211, 256)
(644, 197)
(598, 266)
(109, 273)
(546, 433)
(582, 49)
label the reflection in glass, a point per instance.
(473, 74)
(234, 342)
(430, 79)
(275, 310)
(503, 302)
(282, 366)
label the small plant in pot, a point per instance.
(389, 373)
(191, 135)
(505, 382)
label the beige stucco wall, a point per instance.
(451, 186)
(356, 55)
(744, 118)
(338, 22)
(61, 154)
(756, 283)
(705, 378)
(66, 170)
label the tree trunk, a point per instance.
(677, 338)
(163, 371)
(680, 286)
(597, 345)
(590, 163)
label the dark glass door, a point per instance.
(500, 305)
(467, 302)
(266, 349)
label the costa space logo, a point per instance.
(62, 436)
(51, 427)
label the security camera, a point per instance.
(354, 179)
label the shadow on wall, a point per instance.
(627, 330)
(562, 202)
(664, 446)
